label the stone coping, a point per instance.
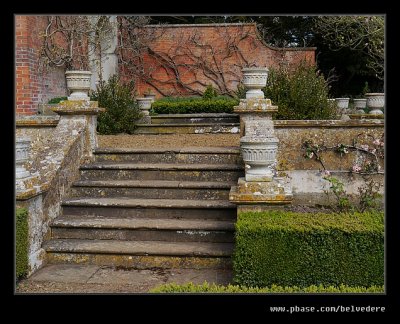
(32, 192)
(78, 111)
(366, 116)
(202, 115)
(270, 109)
(33, 188)
(330, 123)
(78, 107)
(37, 121)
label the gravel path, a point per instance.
(168, 140)
(50, 287)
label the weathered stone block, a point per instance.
(273, 192)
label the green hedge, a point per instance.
(301, 249)
(21, 238)
(213, 288)
(57, 100)
(193, 105)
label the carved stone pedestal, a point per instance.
(270, 193)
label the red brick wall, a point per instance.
(178, 60)
(184, 59)
(33, 86)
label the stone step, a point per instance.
(145, 229)
(203, 155)
(205, 128)
(161, 171)
(141, 255)
(160, 189)
(126, 207)
(167, 119)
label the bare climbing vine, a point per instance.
(366, 164)
(195, 56)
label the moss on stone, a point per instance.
(21, 242)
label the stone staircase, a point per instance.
(221, 123)
(150, 208)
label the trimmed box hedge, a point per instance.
(193, 105)
(21, 242)
(302, 249)
(213, 288)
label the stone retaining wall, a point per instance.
(293, 133)
(56, 155)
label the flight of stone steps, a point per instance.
(150, 208)
(220, 123)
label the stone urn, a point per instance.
(259, 147)
(360, 105)
(22, 149)
(150, 95)
(144, 105)
(342, 103)
(78, 83)
(254, 79)
(375, 101)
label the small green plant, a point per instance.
(299, 94)
(365, 89)
(369, 195)
(337, 188)
(210, 92)
(21, 242)
(56, 100)
(240, 91)
(121, 107)
(273, 289)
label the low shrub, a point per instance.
(121, 107)
(21, 242)
(193, 105)
(57, 100)
(210, 92)
(303, 249)
(299, 94)
(213, 288)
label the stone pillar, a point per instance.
(81, 112)
(260, 188)
(106, 64)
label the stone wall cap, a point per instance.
(78, 111)
(37, 121)
(269, 109)
(330, 123)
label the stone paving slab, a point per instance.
(63, 278)
(65, 273)
(130, 277)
